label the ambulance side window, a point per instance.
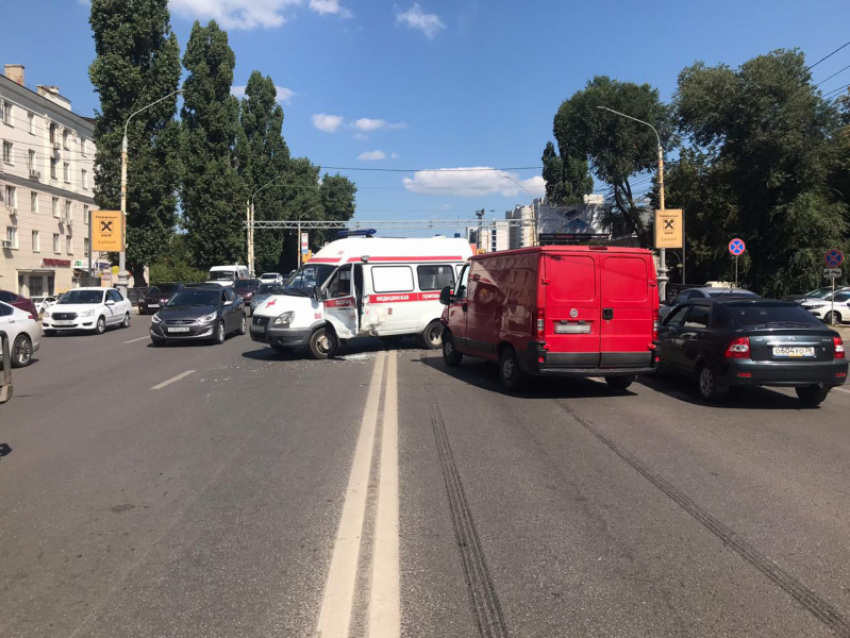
(435, 277)
(340, 284)
(460, 293)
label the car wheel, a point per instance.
(100, 326)
(832, 317)
(281, 349)
(620, 383)
(812, 395)
(323, 343)
(709, 390)
(220, 334)
(511, 375)
(450, 354)
(126, 322)
(21, 352)
(243, 326)
(158, 342)
(432, 336)
(49, 333)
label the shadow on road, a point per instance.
(5, 450)
(362, 345)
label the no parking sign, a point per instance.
(737, 247)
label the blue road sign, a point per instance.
(834, 258)
(737, 247)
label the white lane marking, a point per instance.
(385, 602)
(338, 599)
(182, 375)
(842, 390)
(135, 340)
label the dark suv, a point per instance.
(157, 296)
(729, 342)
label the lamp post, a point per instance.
(251, 223)
(662, 265)
(122, 256)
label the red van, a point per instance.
(556, 310)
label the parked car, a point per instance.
(23, 331)
(43, 303)
(246, 289)
(814, 295)
(199, 313)
(726, 342)
(572, 311)
(271, 278)
(265, 291)
(830, 309)
(93, 309)
(156, 297)
(19, 301)
(703, 293)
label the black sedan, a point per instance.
(157, 296)
(203, 313)
(733, 342)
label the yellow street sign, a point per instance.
(669, 227)
(307, 256)
(106, 231)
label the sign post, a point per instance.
(669, 233)
(833, 259)
(737, 247)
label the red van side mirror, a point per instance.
(446, 296)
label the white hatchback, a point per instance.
(92, 309)
(831, 308)
(23, 332)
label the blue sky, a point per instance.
(438, 83)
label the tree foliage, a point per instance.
(176, 264)
(213, 193)
(338, 194)
(138, 62)
(566, 175)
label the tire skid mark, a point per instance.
(819, 607)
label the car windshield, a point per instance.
(196, 297)
(307, 276)
(269, 275)
(727, 292)
(819, 293)
(153, 290)
(246, 283)
(167, 289)
(82, 297)
(760, 314)
(221, 275)
(270, 289)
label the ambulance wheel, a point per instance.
(511, 375)
(323, 343)
(450, 354)
(432, 336)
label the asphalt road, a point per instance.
(228, 491)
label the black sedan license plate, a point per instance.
(178, 330)
(793, 352)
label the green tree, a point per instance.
(301, 199)
(617, 149)
(263, 156)
(566, 175)
(213, 193)
(766, 142)
(338, 195)
(138, 62)
(176, 264)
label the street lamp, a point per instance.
(662, 266)
(122, 256)
(251, 223)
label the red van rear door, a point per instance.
(571, 282)
(626, 326)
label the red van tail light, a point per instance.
(839, 348)
(539, 318)
(655, 323)
(739, 349)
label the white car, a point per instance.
(43, 303)
(824, 308)
(92, 309)
(271, 278)
(23, 332)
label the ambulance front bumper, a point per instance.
(264, 332)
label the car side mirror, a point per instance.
(228, 303)
(446, 296)
(109, 302)
(317, 293)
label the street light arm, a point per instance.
(145, 108)
(254, 194)
(657, 136)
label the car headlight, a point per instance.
(87, 313)
(209, 317)
(817, 305)
(285, 319)
(156, 319)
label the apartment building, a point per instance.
(46, 188)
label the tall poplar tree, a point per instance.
(213, 194)
(137, 63)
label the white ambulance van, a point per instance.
(363, 286)
(225, 275)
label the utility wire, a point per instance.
(826, 57)
(832, 76)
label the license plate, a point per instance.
(63, 323)
(178, 330)
(572, 328)
(258, 329)
(153, 305)
(793, 353)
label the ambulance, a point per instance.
(359, 287)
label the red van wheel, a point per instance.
(512, 376)
(432, 336)
(450, 354)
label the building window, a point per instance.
(31, 123)
(7, 152)
(36, 242)
(11, 197)
(52, 133)
(85, 178)
(12, 236)
(55, 205)
(31, 160)
(82, 147)
(69, 245)
(56, 243)
(34, 202)
(66, 140)
(85, 213)
(53, 164)
(85, 246)
(69, 215)
(6, 112)
(66, 171)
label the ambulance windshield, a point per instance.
(309, 275)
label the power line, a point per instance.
(833, 75)
(835, 92)
(826, 57)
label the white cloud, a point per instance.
(369, 156)
(283, 94)
(368, 125)
(394, 156)
(330, 7)
(472, 183)
(428, 23)
(327, 123)
(361, 136)
(235, 14)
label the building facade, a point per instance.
(46, 188)
(521, 236)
